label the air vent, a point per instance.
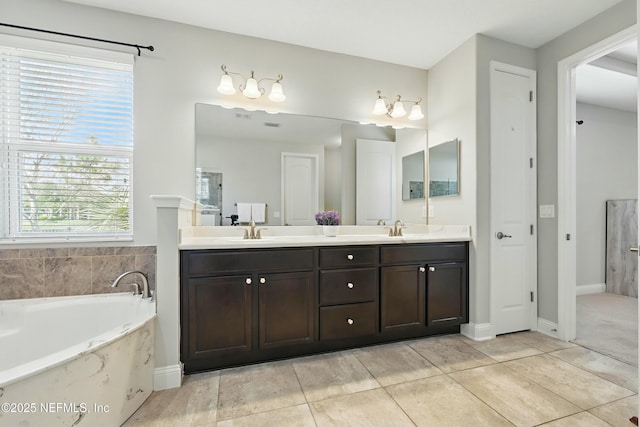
(272, 125)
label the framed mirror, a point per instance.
(413, 176)
(444, 169)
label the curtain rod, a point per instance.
(137, 46)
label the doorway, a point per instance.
(567, 178)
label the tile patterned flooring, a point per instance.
(523, 379)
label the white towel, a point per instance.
(244, 212)
(258, 212)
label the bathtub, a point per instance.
(75, 361)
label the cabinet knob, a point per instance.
(422, 270)
(349, 257)
(350, 285)
(248, 281)
(263, 280)
(350, 321)
(432, 269)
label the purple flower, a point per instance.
(328, 218)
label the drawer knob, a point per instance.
(422, 270)
(350, 321)
(349, 257)
(263, 280)
(350, 285)
(432, 269)
(248, 281)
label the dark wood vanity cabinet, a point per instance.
(447, 294)
(242, 306)
(423, 285)
(348, 291)
(402, 297)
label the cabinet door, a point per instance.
(219, 315)
(402, 297)
(286, 309)
(447, 294)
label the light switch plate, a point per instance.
(424, 212)
(431, 213)
(547, 211)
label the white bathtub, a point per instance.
(85, 360)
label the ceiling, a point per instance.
(610, 81)
(416, 33)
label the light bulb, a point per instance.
(416, 113)
(226, 85)
(398, 110)
(380, 107)
(251, 89)
(277, 95)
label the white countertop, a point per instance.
(227, 237)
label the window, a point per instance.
(66, 126)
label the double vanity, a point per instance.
(294, 291)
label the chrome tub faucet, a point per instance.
(145, 291)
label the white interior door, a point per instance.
(299, 188)
(513, 199)
(375, 181)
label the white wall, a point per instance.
(185, 70)
(251, 171)
(606, 169)
(610, 22)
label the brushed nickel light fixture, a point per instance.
(250, 87)
(396, 108)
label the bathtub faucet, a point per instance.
(146, 292)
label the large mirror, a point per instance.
(413, 176)
(444, 169)
(249, 149)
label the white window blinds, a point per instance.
(67, 145)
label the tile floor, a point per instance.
(523, 379)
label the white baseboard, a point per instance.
(548, 328)
(166, 377)
(478, 331)
(595, 288)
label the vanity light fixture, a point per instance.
(396, 109)
(251, 87)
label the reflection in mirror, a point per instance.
(413, 176)
(247, 149)
(444, 169)
(209, 194)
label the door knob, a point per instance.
(500, 235)
(635, 249)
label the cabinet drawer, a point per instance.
(348, 286)
(348, 256)
(346, 321)
(206, 263)
(423, 253)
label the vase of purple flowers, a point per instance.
(329, 220)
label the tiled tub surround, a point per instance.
(82, 360)
(49, 272)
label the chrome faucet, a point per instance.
(145, 291)
(397, 229)
(253, 232)
(380, 222)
